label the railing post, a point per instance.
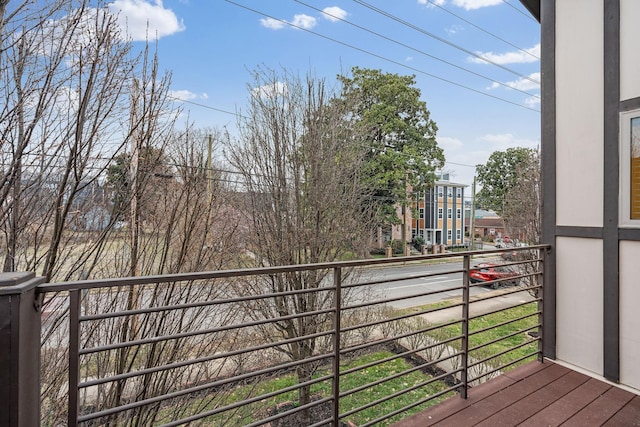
(540, 295)
(464, 376)
(20, 350)
(74, 357)
(337, 283)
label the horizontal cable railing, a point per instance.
(367, 342)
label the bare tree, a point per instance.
(300, 169)
(64, 76)
(522, 216)
(522, 201)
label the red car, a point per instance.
(487, 272)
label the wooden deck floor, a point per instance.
(534, 395)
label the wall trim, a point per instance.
(583, 232)
(630, 234)
(548, 160)
(630, 104)
(611, 247)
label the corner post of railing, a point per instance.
(74, 357)
(20, 356)
(464, 376)
(337, 328)
(540, 294)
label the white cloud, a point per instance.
(449, 144)
(454, 29)
(271, 90)
(141, 20)
(187, 95)
(515, 57)
(476, 4)
(466, 4)
(503, 141)
(272, 24)
(299, 21)
(522, 83)
(304, 21)
(430, 3)
(409, 58)
(532, 101)
(334, 13)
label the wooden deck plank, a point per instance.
(452, 405)
(569, 405)
(536, 394)
(488, 406)
(525, 408)
(601, 409)
(627, 416)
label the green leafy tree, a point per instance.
(153, 171)
(399, 136)
(500, 175)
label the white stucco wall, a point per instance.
(580, 303)
(629, 314)
(629, 52)
(579, 112)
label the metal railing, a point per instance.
(367, 341)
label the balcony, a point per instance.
(373, 342)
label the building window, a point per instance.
(440, 213)
(440, 191)
(421, 211)
(449, 213)
(448, 235)
(458, 235)
(449, 193)
(458, 213)
(459, 193)
(630, 169)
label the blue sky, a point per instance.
(211, 46)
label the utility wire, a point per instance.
(459, 164)
(440, 39)
(418, 50)
(520, 11)
(482, 29)
(383, 58)
(206, 106)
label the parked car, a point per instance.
(487, 272)
(519, 255)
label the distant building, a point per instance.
(440, 213)
(485, 224)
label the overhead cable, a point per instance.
(442, 40)
(418, 50)
(383, 58)
(482, 29)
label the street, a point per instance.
(409, 283)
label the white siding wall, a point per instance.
(579, 303)
(579, 112)
(629, 251)
(629, 51)
(629, 316)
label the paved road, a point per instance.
(409, 283)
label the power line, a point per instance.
(383, 58)
(459, 164)
(482, 29)
(417, 50)
(520, 11)
(440, 39)
(206, 106)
